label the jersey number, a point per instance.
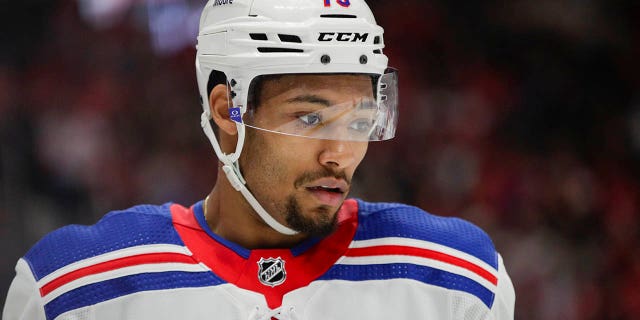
(344, 3)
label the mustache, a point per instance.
(308, 177)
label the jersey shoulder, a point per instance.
(400, 221)
(137, 226)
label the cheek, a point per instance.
(297, 158)
(364, 146)
(271, 162)
(359, 151)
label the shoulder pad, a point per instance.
(139, 225)
(386, 220)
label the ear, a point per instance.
(219, 107)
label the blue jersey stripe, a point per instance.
(110, 289)
(140, 225)
(420, 273)
(382, 220)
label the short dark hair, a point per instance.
(215, 78)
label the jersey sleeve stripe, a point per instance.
(424, 274)
(113, 265)
(113, 255)
(119, 273)
(409, 242)
(436, 265)
(110, 289)
(134, 227)
(424, 253)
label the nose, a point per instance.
(337, 154)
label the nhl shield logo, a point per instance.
(271, 271)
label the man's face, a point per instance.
(301, 181)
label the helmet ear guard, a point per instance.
(243, 40)
(208, 125)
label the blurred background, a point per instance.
(522, 116)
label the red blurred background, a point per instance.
(523, 117)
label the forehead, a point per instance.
(330, 86)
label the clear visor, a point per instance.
(350, 107)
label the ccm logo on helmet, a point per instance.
(222, 2)
(343, 36)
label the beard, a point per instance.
(324, 224)
(326, 218)
(262, 168)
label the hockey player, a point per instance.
(293, 91)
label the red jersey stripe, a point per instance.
(124, 262)
(424, 253)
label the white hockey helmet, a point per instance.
(244, 40)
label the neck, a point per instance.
(230, 216)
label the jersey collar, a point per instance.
(261, 270)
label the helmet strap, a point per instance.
(231, 168)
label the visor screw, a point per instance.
(325, 59)
(364, 59)
(233, 82)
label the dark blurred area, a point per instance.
(521, 116)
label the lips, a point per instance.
(328, 191)
(329, 184)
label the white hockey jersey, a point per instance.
(385, 261)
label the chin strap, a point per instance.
(231, 169)
(234, 179)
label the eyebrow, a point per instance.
(309, 98)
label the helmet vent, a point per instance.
(279, 50)
(343, 16)
(258, 36)
(377, 51)
(376, 40)
(289, 38)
